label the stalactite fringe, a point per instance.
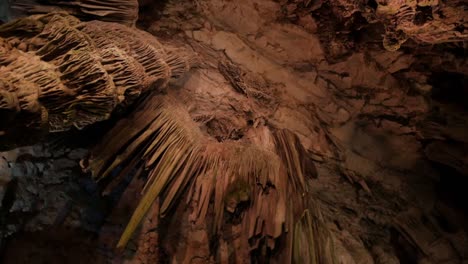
(265, 189)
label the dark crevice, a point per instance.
(423, 15)
(373, 4)
(405, 252)
(150, 11)
(451, 188)
(450, 88)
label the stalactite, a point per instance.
(230, 179)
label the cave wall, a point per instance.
(365, 115)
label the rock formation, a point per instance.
(119, 11)
(308, 132)
(58, 72)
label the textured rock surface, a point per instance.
(381, 127)
(362, 117)
(120, 11)
(58, 72)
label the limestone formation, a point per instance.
(309, 132)
(58, 72)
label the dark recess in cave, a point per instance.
(450, 88)
(150, 11)
(451, 188)
(423, 15)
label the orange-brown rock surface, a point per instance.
(298, 123)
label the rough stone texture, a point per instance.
(375, 123)
(425, 22)
(58, 72)
(361, 117)
(120, 11)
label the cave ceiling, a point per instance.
(217, 131)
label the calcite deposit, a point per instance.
(280, 132)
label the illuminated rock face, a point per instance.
(317, 95)
(58, 72)
(425, 22)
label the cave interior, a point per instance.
(220, 131)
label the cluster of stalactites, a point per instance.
(263, 181)
(57, 72)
